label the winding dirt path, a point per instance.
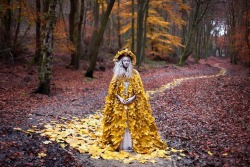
(177, 82)
(150, 93)
(85, 158)
(85, 98)
(92, 98)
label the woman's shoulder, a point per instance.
(135, 72)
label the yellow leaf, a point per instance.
(46, 142)
(31, 130)
(74, 145)
(48, 126)
(138, 156)
(42, 154)
(153, 154)
(210, 153)
(84, 131)
(95, 151)
(51, 135)
(53, 122)
(174, 150)
(25, 132)
(96, 116)
(142, 161)
(82, 149)
(52, 139)
(225, 154)
(17, 129)
(95, 157)
(106, 156)
(59, 140)
(63, 145)
(124, 154)
(127, 161)
(168, 157)
(161, 153)
(183, 155)
(152, 161)
(168, 152)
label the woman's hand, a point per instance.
(129, 100)
(121, 99)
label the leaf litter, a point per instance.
(200, 104)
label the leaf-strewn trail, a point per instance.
(209, 118)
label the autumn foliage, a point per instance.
(201, 108)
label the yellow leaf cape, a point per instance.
(137, 116)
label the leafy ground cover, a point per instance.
(206, 117)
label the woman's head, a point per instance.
(125, 53)
(126, 61)
(123, 67)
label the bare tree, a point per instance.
(142, 7)
(94, 49)
(197, 14)
(37, 57)
(47, 49)
(7, 26)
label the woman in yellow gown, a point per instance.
(128, 123)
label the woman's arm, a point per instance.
(121, 99)
(129, 100)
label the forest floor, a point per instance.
(208, 117)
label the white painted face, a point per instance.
(126, 61)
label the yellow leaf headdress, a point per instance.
(125, 52)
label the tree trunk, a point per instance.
(194, 21)
(47, 49)
(73, 4)
(184, 28)
(195, 43)
(7, 26)
(79, 51)
(145, 30)
(208, 40)
(233, 59)
(17, 28)
(233, 18)
(133, 27)
(45, 6)
(198, 43)
(187, 49)
(61, 14)
(207, 47)
(247, 24)
(141, 12)
(119, 25)
(97, 41)
(37, 57)
(186, 52)
(95, 29)
(72, 30)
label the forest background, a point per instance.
(65, 49)
(153, 29)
